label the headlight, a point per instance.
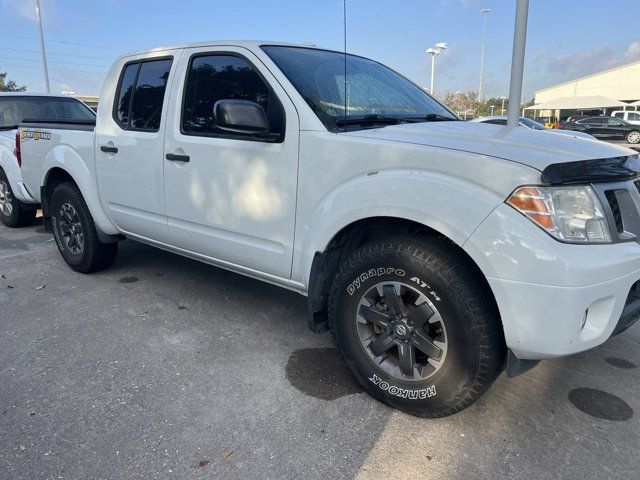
(570, 214)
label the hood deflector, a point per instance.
(592, 171)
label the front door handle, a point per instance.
(106, 149)
(177, 158)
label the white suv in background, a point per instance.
(628, 116)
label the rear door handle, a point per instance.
(106, 149)
(177, 158)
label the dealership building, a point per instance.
(617, 88)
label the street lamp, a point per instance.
(492, 107)
(502, 109)
(435, 51)
(484, 12)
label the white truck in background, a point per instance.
(17, 206)
(436, 251)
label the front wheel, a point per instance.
(75, 232)
(415, 322)
(633, 137)
(12, 212)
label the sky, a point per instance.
(566, 38)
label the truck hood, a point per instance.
(535, 148)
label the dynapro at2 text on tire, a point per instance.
(415, 322)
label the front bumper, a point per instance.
(555, 299)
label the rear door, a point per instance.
(594, 126)
(234, 199)
(129, 147)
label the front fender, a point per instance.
(68, 159)
(9, 164)
(449, 205)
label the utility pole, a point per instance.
(44, 53)
(484, 12)
(517, 61)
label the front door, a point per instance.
(129, 147)
(231, 196)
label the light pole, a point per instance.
(435, 51)
(502, 109)
(44, 53)
(484, 12)
(517, 62)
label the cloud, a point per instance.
(583, 62)
(27, 9)
(633, 51)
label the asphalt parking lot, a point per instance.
(162, 367)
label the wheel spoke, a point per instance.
(374, 316)
(381, 344)
(423, 343)
(421, 315)
(406, 357)
(393, 301)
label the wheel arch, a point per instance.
(57, 175)
(325, 264)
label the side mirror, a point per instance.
(240, 116)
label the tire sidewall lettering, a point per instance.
(355, 285)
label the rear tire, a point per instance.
(443, 302)
(13, 213)
(75, 232)
(633, 137)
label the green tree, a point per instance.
(9, 85)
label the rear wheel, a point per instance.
(416, 324)
(12, 212)
(75, 232)
(633, 137)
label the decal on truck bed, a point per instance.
(35, 134)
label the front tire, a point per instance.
(75, 232)
(633, 137)
(417, 325)
(13, 213)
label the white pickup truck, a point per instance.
(436, 251)
(17, 206)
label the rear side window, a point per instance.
(633, 116)
(140, 95)
(619, 114)
(221, 77)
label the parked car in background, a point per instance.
(17, 205)
(605, 127)
(436, 251)
(532, 124)
(628, 116)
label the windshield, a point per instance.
(527, 122)
(13, 110)
(376, 95)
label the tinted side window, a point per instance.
(220, 77)
(146, 107)
(633, 116)
(497, 121)
(141, 94)
(124, 92)
(594, 121)
(619, 114)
